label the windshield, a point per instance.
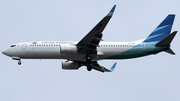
(13, 45)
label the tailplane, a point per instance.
(166, 42)
(169, 51)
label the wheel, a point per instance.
(89, 68)
(19, 62)
(88, 58)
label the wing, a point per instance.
(96, 66)
(100, 68)
(89, 43)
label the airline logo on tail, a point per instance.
(163, 30)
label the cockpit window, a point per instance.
(13, 45)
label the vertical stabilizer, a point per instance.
(163, 30)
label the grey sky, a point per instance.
(151, 78)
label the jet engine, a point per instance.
(70, 65)
(68, 49)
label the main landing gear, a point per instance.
(19, 62)
(89, 68)
(88, 60)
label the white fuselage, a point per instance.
(65, 50)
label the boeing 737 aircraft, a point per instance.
(91, 48)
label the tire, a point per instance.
(89, 68)
(19, 62)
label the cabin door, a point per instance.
(23, 46)
(143, 46)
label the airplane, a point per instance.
(92, 48)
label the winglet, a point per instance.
(112, 68)
(111, 12)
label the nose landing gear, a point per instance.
(19, 62)
(17, 58)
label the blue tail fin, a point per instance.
(163, 30)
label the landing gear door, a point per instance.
(143, 46)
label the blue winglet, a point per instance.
(111, 12)
(112, 68)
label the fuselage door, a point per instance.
(143, 46)
(23, 46)
(24, 50)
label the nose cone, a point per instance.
(5, 52)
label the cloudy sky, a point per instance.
(151, 78)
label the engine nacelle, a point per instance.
(70, 65)
(68, 49)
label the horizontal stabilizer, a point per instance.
(170, 51)
(167, 40)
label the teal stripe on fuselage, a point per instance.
(139, 51)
